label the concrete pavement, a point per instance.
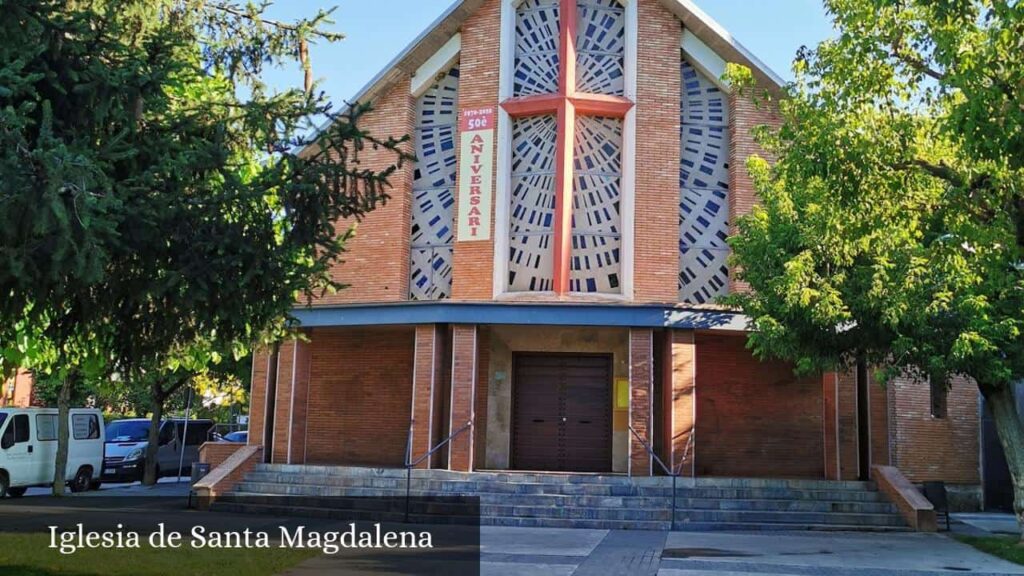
(549, 552)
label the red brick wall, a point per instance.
(427, 385)
(683, 401)
(754, 418)
(464, 379)
(641, 382)
(879, 414)
(473, 262)
(376, 262)
(360, 391)
(257, 395)
(659, 87)
(282, 404)
(848, 442)
(928, 448)
(744, 116)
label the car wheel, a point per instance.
(5, 485)
(82, 480)
(95, 485)
(17, 492)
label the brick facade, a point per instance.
(349, 395)
(931, 448)
(360, 387)
(478, 87)
(755, 418)
(656, 245)
(641, 401)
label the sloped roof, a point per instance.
(447, 25)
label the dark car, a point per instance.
(125, 450)
(240, 437)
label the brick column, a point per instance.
(302, 360)
(641, 399)
(283, 402)
(463, 400)
(684, 401)
(426, 381)
(258, 395)
(830, 424)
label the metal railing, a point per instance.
(673, 473)
(410, 463)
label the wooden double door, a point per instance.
(562, 412)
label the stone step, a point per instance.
(773, 527)
(555, 478)
(781, 505)
(791, 518)
(482, 487)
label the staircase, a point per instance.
(568, 500)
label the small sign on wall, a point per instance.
(476, 173)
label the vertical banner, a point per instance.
(476, 173)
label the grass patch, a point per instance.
(30, 555)
(1005, 547)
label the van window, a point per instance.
(16, 432)
(128, 431)
(46, 427)
(85, 426)
(166, 433)
(3, 416)
(197, 432)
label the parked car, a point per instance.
(239, 437)
(28, 448)
(124, 459)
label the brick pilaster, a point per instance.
(684, 401)
(830, 424)
(473, 262)
(283, 402)
(299, 402)
(463, 401)
(641, 398)
(426, 385)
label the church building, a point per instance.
(543, 284)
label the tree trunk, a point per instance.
(63, 433)
(1011, 435)
(149, 476)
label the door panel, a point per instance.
(562, 412)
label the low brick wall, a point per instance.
(914, 507)
(232, 465)
(214, 453)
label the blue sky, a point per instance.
(377, 30)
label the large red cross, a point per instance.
(567, 103)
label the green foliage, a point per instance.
(892, 216)
(158, 197)
(163, 208)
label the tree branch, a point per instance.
(331, 36)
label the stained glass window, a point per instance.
(703, 189)
(596, 222)
(532, 209)
(433, 190)
(537, 41)
(564, 223)
(600, 47)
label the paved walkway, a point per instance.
(991, 522)
(555, 552)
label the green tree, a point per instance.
(891, 228)
(157, 196)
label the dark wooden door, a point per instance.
(562, 413)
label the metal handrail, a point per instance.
(673, 473)
(410, 463)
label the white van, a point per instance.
(28, 448)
